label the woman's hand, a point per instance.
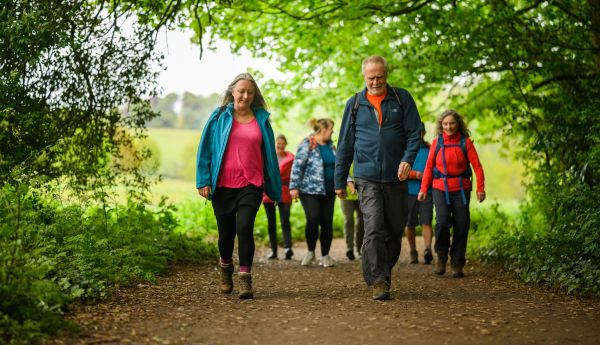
(422, 196)
(204, 191)
(480, 196)
(294, 193)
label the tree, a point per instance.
(66, 68)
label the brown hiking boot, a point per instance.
(414, 256)
(245, 285)
(440, 265)
(381, 290)
(226, 284)
(457, 272)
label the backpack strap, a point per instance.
(397, 97)
(353, 113)
(444, 175)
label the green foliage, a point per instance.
(53, 254)
(560, 250)
(65, 69)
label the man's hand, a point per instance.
(341, 193)
(204, 191)
(294, 193)
(403, 170)
(351, 187)
(421, 196)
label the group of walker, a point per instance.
(240, 165)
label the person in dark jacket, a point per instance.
(448, 170)
(380, 133)
(419, 211)
(236, 161)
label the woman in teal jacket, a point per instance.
(236, 162)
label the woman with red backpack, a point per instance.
(448, 169)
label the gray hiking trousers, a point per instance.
(384, 208)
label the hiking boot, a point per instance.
(381, 290)
(308, 259)
(226, 281)
(245, 285)
(427, 256)
(414, 256)
(440, 265)
(272, 255)
(457, 272)
(327, 261)
(289, 253)
(350, 255)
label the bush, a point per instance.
(53, 254)
(551, 241)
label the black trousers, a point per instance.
(284, 217)
(235, 210)
(318, 210)
(455, 216)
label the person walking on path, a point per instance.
(448, 169)
(312, 181)
(354, 231)
(380, 133)
(419, 211)
(285, 160)
(236, 161)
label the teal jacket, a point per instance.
(214, 142)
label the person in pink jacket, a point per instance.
(448, 169)
(285, 160)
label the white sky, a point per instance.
(185, 72)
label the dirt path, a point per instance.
(299, 305)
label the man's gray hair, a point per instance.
(375, 59)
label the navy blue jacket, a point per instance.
(378, 150)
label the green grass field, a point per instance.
(177, 152)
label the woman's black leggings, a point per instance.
(240, 222)
(319, 212)
(284, 217)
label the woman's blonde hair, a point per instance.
(460, 121)
(318, 124)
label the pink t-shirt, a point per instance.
(243, 161)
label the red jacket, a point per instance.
(285, 169)
(456, 164)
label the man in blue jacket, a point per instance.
(380, 133)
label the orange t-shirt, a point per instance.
(375, 100)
